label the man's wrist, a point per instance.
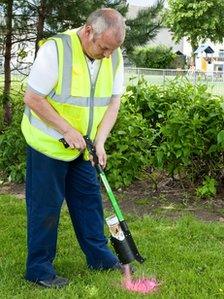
(65, 129)
(99, 142)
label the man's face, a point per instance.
(103, 45)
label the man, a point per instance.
(74, 90)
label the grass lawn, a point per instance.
(185, 255)
(216, 88)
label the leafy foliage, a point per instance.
(208, 187)
(177, 128)
(128, 146)
(184, 125)
(158, 57)
(12, 147)
(197, 20)
(179, 62)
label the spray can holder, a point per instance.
(120, 241)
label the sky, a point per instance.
(141, 2)
(144, 2)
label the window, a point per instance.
(221, 53)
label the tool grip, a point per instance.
(62, 140)
(90, 147)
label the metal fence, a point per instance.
(213, 80)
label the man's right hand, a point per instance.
(49, 115)
(74, 139)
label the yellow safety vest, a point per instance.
(80, 102)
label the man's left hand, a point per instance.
(101, 154)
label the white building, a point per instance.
(210, 58)
(164, 37)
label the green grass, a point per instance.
(186, 256)
(216, 88)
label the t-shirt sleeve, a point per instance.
(118, 86)
(44, 72)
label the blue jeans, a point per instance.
(48, 183)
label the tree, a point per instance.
(197, 20)
(7, 56)
(52, 16)
(15, 33)
(144, 27)
(74, 13)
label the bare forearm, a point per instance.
(108, 121)
(49, 115)
(46, 112)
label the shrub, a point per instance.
(158, 57)
(129, 146)
(188, 128)
(179, 62)
(12, 146)
(177, 127)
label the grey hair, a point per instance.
(107, 18)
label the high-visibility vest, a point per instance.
(79, 101)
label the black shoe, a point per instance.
(121, 267)
(56, 282)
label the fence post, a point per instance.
(195, 77)
(138, 73)
(164, 77)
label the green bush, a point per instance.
(128, 147)
(12, 146)
(177, 128)
(179, 62)
(158, 57)
(188, 128)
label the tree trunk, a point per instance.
(40, 23)
(194, 47)
(7, 68)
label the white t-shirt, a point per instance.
(44, 72)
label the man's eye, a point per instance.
(103, 48)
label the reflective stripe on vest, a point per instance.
(37, 123)
(75, 98)
(81, 101)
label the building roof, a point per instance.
(204, 48)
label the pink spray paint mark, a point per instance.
(143, 285)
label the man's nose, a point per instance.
(107, 53)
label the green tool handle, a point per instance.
(92, 151)
(111, 196)
(91, 148)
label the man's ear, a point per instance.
(88, 30)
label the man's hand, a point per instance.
(50, 116)
(74, 139)
(101, 154)
(105, 127)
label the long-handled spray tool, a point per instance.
(124, 245)
(121, 237)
